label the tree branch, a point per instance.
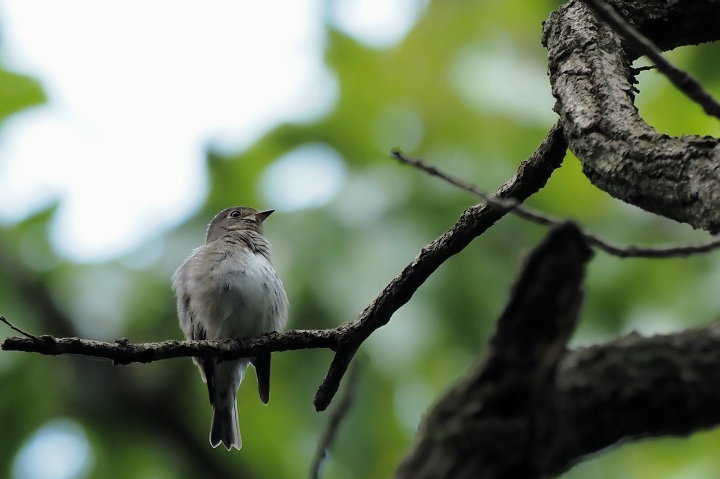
(592, 80)
(601, 396)
(643, 45)
(512, 205)
(530, 177)
(486, 423)
(532, 410)
(12, 326)
(345, 339)
(333, 425)
(123, 351)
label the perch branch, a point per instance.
(123, 351)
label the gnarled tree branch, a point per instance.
(531, 410)
(495, 421)
(593, 82)
(643, 45)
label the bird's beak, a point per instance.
(262, 215)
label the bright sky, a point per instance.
(137, 89)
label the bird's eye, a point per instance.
(235, 214)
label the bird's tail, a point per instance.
(225, 428)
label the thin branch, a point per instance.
(644, 68)
(684, 82)
(339, 413)
(532, 175)
(123, 351)
(623, 251)
(2, 318)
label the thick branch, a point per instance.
(603, 395)
(643, 45)
(485, 426)
(531, 410)
(593, 82)
(635, 387)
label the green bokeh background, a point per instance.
(447, 94)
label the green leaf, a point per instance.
(18, 92)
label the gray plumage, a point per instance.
(228, 288)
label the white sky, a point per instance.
(137, 89)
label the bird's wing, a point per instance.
(192, 328)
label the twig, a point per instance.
(622, 251)
(2, 318)
(333, 425)
(644, 68)
(684, 82)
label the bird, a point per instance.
(228, 288)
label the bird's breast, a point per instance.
(247, 292)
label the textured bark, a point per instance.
(593, 82)
(528, 410)
(494, 424)
(633, 387)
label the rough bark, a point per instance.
(630, 388)
(492, 424)
(540, 411)
(593, 82)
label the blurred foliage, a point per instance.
(466, 90)
(18, 92)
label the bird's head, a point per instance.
(236, 218)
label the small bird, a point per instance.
(228, 288)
